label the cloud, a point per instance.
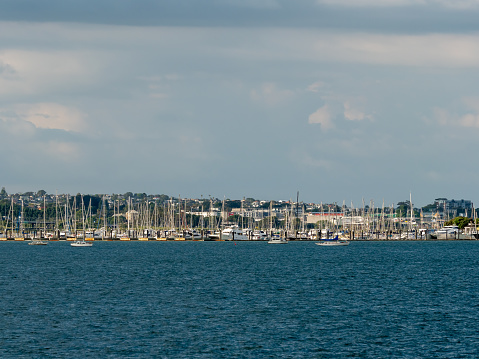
(6, 70)
(30, 72)
(314, 87)
(159, 86)
(441, 50)
(309, 161)
(13, 127)
(62, 151)
(323, 117)
(158, 95)
(456, 4)
(371, 3)
(270, 95)
(53, 116)
(354, 114)
(468, 120)
(244, 13)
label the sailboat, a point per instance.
(333, 242)
(278, 240)
(80, 242)
(38, 241)
(273, 239)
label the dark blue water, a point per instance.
(249, 300)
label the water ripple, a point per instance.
(250, 300)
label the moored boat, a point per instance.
(81, 243)
(37, 242)
(278, 240)
(233, 233)
(333, 242)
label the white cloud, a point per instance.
(342, 47)
(442, 116)
(354, 114)
(402, 50)
(6, 70)
(269, 94)
(13, 127)
(468, 120)
(159, 86)
(314, 87)
(323, 117)
(455, 4)
(371, 3)
(52, 116)
(309, 161)
(33, 72)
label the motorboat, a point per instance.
(259, 235)
(448, 232)
(192, 235)
(37, 242)
(213, 236)
(278, 240)
(333, 242)
(81, 243)
(234, 233)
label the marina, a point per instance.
(88, 218)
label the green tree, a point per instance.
(461, 222)
(402, 208)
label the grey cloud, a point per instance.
(6, 70)
(267, 13)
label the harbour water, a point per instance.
(240, 300)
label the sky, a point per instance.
(341, 100)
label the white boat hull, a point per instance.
(233, 234)
(333, 243)
(278, 241)
(37, 242)
(81, 244)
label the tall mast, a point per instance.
(21, 220)
(104, 218)
(74, 213)
(13, 222)
(271, 218)
(67, 224)
(297, 210)
(128, 217)
(83, 215)
(411, 216)
(44, 216)
(242, 216)
(56, 211)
